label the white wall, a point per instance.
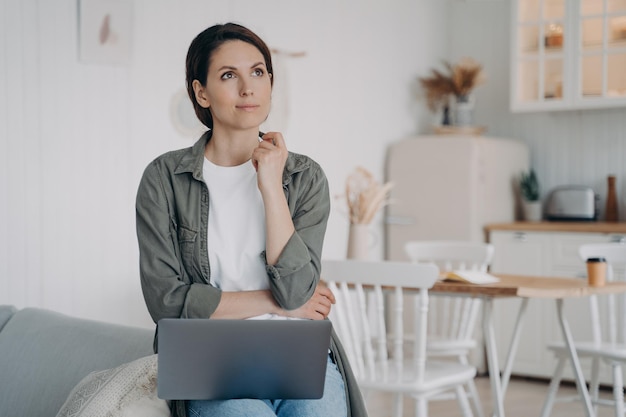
(75, 137)
(569, 147)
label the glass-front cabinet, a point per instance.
(568, 54)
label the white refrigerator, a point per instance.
(447, 187)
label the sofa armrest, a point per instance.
(44, 354)
(6, 312)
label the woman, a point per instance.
(233, 227)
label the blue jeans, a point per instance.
(332, 403)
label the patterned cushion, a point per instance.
(127, 390)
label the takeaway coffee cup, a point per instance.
(596, 272)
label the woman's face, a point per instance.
(238, 87)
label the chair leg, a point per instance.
(553, 389)
(618, 389)
(478, 407)
(461, 396)
(398, 404)
(473, 392)
(594, 386)
(421, 407)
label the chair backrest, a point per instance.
(452, 318)
(450, 254)
(615, 254)
(363, 313)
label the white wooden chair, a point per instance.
(368, 317)
(608, 344)
(452, 320)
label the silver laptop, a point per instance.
(204, 359)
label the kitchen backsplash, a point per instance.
(575, 148)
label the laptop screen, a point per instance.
(209, 359)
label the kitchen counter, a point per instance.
(577, 227)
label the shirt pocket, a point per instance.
(187, 241)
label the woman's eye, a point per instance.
(258, 72)
(227, 75)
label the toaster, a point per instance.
(572, 203)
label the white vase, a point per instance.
(464, 111)
(532, 211)
(358, 241)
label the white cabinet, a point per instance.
(568, 54)
(539, 253)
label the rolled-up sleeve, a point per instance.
(297, 272)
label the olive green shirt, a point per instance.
(172, 209)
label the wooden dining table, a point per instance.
(526, 287)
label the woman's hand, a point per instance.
(318, 306)
(269, 160)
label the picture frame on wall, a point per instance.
(105, 31)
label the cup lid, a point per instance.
(596, 259)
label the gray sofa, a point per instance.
(44, 354)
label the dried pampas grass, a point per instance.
(365, 196)
(466, 75)
(438, 87)
(460, 80)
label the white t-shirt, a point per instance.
(236, 230)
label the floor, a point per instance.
(524, 398)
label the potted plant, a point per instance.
(529, 188)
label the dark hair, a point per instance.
(201, 51)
